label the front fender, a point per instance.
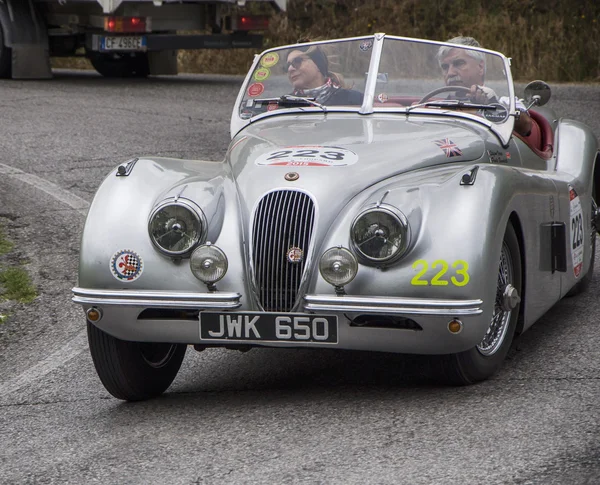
(118, 220)
(457, 232)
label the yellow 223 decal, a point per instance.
(460, 277)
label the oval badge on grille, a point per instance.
(295, 255)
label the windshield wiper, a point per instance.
(451, 103)
(291, 100)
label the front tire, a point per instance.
(134, 371)
(482, 361)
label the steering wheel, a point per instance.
(444, 89)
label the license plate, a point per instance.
(123, 43)
(268, 327)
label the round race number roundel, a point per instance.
(308, 156)
(126, 265)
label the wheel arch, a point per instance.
(515, 221)
(597, 170)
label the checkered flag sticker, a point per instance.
(126, 265)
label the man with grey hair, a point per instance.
(466, 68)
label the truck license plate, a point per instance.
(123, 43)
(268, 327)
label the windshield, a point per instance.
(381, 73)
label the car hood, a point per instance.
(371, 149)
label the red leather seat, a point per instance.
(541, 138)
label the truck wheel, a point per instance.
(5, 57)
(482, 361)
(120, 65)
(134, 371)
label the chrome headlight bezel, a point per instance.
(402, 223)
(197, 216)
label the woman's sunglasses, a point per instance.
(296, 62)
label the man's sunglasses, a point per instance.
(296, 62)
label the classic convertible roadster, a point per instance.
(382, 210)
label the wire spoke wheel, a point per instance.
(496, 333)
(484, 359)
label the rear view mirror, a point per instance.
(537, 93)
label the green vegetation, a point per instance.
(553, 40)
(5, 245)
(15, 283)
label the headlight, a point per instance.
(176, 227)
(338, 266)
(208, 263)
(380, 234)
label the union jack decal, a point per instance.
(450, 148)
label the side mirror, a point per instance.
(537, 93)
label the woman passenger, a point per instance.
(308, 72)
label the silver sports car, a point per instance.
(375, 196)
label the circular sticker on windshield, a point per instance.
(497, 115)
(308, 156)
(261, 74)
(256, 89)
(270, 59)
(126, 265)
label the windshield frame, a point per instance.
(502, 130)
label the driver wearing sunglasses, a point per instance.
(308, 72)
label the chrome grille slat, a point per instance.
(282, 219)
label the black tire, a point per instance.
(482, 361)
(583, 284)
(120, 65)
(134, 371)
(5, 57)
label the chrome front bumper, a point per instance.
(392, 306)
(157, 299)
(121, 311)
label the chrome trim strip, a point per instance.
(394, 306)
(157, 299)
(369, 96)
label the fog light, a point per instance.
(455, 326)
(338, 266)
(208, 263)
(94, 314)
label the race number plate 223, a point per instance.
(268, 327)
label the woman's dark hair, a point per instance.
(316, 54)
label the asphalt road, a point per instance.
(267, 416)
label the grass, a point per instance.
(17, 285)
(5, 245)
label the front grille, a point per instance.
(283, 219)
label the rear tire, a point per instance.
(5, 57)
(134, 371)
(120, 65)
(482, 361)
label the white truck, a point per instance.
(122, 38)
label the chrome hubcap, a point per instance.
(507, 298)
